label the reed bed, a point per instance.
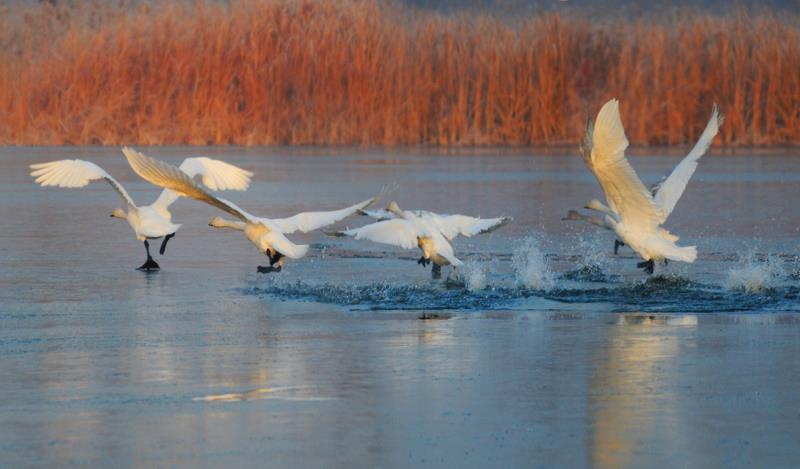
(344, 72)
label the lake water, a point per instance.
(546, 349)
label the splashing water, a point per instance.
(754, 276)
(593, 260)
(474, 275)
(531, 268)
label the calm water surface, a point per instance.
(546, 349)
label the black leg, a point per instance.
(150, 264)
(648, 266)
(666, 261)
(436, 271)
(275, 258)
(617, 245)
(164, 243)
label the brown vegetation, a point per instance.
(256, 72)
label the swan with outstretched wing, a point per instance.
(666, 192)
(268, 235)
(408, 230)
(632, 211)
(152, 221)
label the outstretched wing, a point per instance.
(75, 173)
(169, 177)
(398, 232)
(216, 175)
(623, 189)
(378, 214)
(310, 221)
(453, 225)
(671, 189)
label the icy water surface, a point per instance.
(545, 349)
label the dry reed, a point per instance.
(264, 72)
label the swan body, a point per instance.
(148, 222)
(633, 212)
(670, 188)
(268, 235)
(408, 230)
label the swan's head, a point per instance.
(595, 204)
(394, 208)
(119, 213)
(573, 215)
(218, 222)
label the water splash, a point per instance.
(474, 275)
(752, 275)
(593, 260)
(531, 267)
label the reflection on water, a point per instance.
(632, 385)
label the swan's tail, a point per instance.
(683, 254)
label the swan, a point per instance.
(152, 221)
(303, 222)
(449, 225)
(632, 211)
(668, 190)
(268, 235)
(406, 229)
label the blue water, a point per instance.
(544, 349)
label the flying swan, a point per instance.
(152, 221)
(266, 234)
(427, 231)
(668, 190)
(632, 212)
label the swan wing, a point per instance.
(624, 191)
(379, 214)
(170, 177)
(216, 175)
(397, 232)
(310, 221)
(75, 173)
(671, 189)
(453, 225)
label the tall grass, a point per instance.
(256, 72)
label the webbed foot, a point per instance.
(149, 265)
(262, 269)
(648, 266)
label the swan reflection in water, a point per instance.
(633, 381)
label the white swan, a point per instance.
(148, 221)
(408, 230)
(449, 225)
(302, 222)
(668, 190)
(266, 234)
(632, 211)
